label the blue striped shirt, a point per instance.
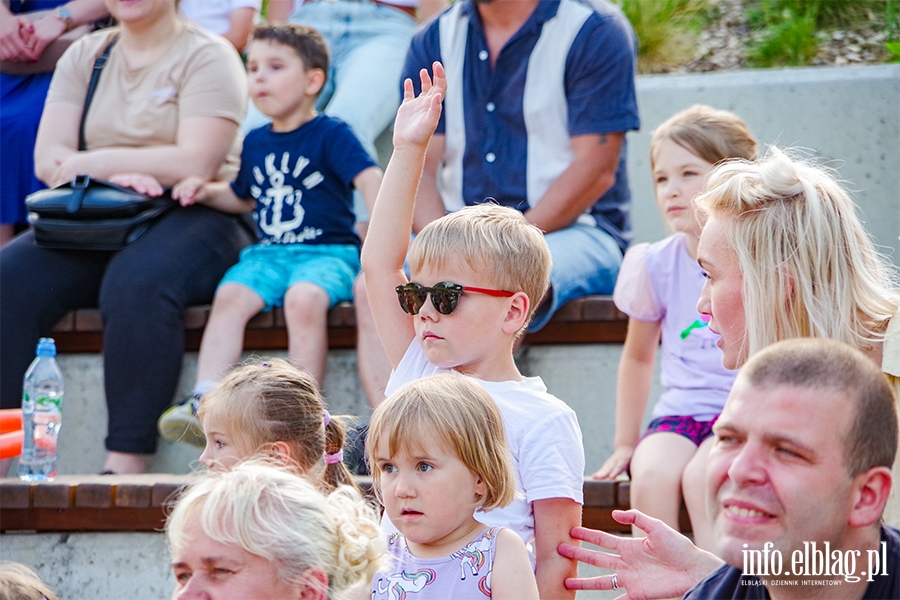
(568, 71)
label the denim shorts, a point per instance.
(586, 261)
(271, 270)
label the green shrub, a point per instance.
(785, 31)
(666, 30)
(790, 41)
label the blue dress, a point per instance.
(22, 101)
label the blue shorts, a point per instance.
(271, 270)
(586, 261)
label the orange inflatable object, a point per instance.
(11, 444)
(10, 420)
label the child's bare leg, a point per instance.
(123, 463)
(223, 338)
(656, 468)
(693, 483)
(306, 315)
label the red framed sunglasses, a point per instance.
(444, 296)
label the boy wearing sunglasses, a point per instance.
(476, 276)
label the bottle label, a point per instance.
(47, 401)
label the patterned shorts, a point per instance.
(696, 431)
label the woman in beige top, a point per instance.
(167, 106)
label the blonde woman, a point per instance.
(261, 531)
(786, 256)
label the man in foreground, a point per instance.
(798, 478)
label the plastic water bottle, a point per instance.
(42, 396)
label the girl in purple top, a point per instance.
(658, 288)
(438, 453)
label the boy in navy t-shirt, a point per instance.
(297, 175)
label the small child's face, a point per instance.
(220, 453)
(678, 177)
(468, 337)
(279, 83)
(429, 494)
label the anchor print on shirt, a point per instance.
(280, 210)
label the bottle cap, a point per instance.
(46, 347)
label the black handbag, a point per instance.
(91, 214)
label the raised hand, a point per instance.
(417, 117)
(665, 564)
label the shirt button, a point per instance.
(490, 157)
(483, 55)
(490, 107)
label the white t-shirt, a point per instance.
(215, 15)
(543, 435)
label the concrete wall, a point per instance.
(847, 116)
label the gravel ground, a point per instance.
(722, 45)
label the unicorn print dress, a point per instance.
(464, 575)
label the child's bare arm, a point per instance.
(215, 194)
(367, 183)
(554, 518)
(512, 577)
(387, 238)
(632, 392)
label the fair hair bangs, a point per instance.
(458, 412)
(708, 133)
(491, 239)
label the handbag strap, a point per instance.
(92, 87)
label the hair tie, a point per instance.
(265, 363)
(333, 459)
(327, 418)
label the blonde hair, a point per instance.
(460, 413)
(264, 402)
(492, 239)
(18, 582)
(708, 133)
(271, 513)
(809, 267)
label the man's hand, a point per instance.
(665, 564)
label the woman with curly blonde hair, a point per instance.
(261, 531)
